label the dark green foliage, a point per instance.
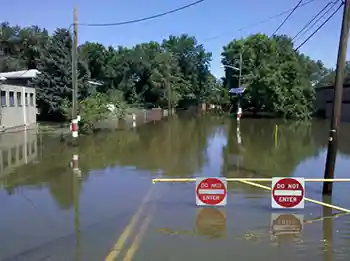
(278, 79)
(54, 84)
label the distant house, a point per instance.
(18, 101)
(324, 102)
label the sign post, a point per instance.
(211, 191)
(288, 193)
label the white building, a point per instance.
(18, 101)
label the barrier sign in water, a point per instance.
(211, 191)
(287, 193)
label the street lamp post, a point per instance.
(240, 90)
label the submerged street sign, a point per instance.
(211, 191)
(287, 193)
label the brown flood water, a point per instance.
(50, 213)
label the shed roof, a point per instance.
(20, 74)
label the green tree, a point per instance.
(20, 47)
(193, 62)
(54, 83)
(273, 73)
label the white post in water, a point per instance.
(239, 113)
(75, 165)
(74, 128)
(133, 120)
(239, 138)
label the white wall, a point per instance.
(19, 114)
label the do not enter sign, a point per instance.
(287, 193)
(211, 191)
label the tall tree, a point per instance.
(54, 83)
(275, 77)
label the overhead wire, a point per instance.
(288, 16)
(144, 18)
(320, 26)
(315, 20)
(260, 22)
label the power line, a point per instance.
(315, 19)
(260, 22)
(289, 15)
(318, 28)
(145, 18)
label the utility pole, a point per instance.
(167, 85)
(239, 108)
(169, 97)
(240, 70)
(337, 101)
(74, 65)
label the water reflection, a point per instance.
(286, 227)
(109, 164)
(264, 151)
(67, 247)
(211, 222)
(327, 225)
(174, 148)
(17, 149)
(320, 135)
(77, 214)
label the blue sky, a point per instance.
(205, 21)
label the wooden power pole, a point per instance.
(74, 65)
(337, 101)
(170, 109)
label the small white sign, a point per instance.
(287, 192)
(211, 191)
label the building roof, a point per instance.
(20, 74)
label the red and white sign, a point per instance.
(287, 193)
(211, 191)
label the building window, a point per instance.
(5, 159)
(13, 153)
(33, 147)
(19, 99)
(3, 98)
(31, 99)
(28, 149)
(20, 152)
(26, 98)
(12, 99)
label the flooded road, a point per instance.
(112, 211)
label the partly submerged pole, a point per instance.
(337, 101)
